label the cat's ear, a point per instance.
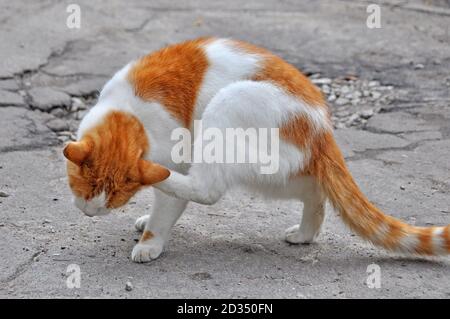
(152, 173)
(77, 152)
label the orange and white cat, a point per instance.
(124, 143)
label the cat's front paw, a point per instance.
(147, 249)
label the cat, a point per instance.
(124, 144)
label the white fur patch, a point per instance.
(116, 95)
(227, 64)
(94, 207)
(438, 241)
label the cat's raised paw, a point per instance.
(141, 222)
(294, 236)
(147, 251)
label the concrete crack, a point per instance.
(22, 268)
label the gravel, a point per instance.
(352, 100)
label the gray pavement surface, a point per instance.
(389, 92)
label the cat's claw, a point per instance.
(141, 222)
(294, 236)
(147, 251)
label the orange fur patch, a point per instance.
(298, 131)
(172, 76)
(285, 75)
(146, 235)
(425, 236)
(112, 163)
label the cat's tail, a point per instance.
(329, 167)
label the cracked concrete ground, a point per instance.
(395, 136)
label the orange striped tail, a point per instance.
(364, 218)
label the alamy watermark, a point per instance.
(73, 280)
(373, 280)
(73, 20)
(374, 18)
(228, 145)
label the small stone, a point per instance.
(385, 88)
(331, 98)
(345, 89)
(366, 114)
(46, 221)
(63, 139)
(65, 133)
(326, 89)
(355, 101)
(321, 81)
(353, 119)
(201, 276)
(3, 194)
(374, 83)
(354, 95)
(418, 66)
(58, 112)
(58, 125)
(376, 95)
(128, 286)
(351, 77)
(402, 187)
(342, 101)
(77, 104)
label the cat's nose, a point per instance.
(90, 208)
(95, 211)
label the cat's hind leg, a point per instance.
(254, 109)
(313, 215)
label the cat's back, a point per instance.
(184, 77)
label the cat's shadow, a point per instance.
(194, 248)
(270, 249)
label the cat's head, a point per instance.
(105, 167)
